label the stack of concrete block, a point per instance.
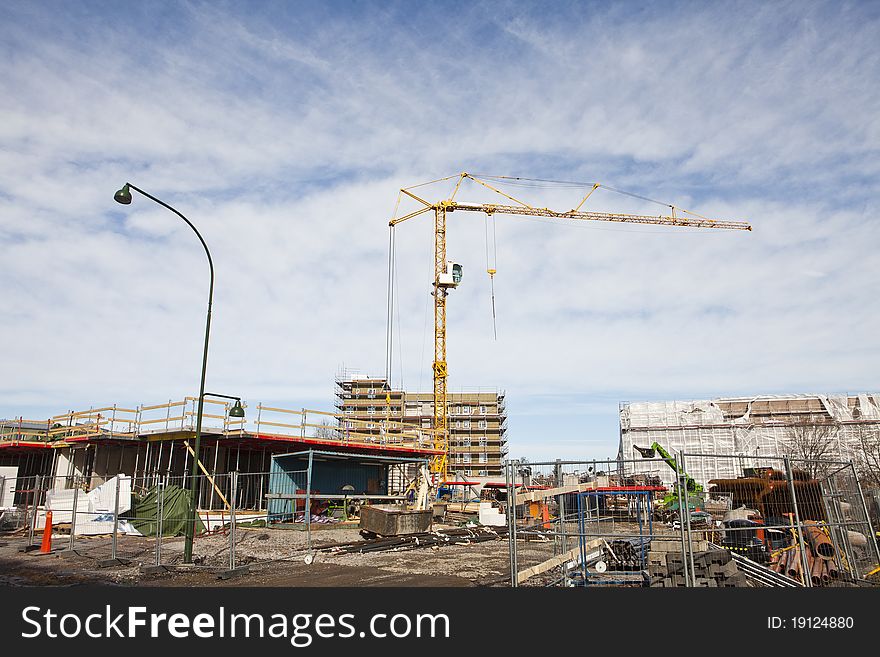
(664, 545)
(660, 547)
(712, 569)
(491, 516)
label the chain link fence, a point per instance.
(804, 519)
(781, 522)
(143, 521)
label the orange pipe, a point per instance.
(819, 543)
(816, 570)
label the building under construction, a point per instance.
(152, 441)
(749, 428)
(477, 421)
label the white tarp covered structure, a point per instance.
(746, 427)
(8, 477)
(94, 510)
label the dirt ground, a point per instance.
(275, 557)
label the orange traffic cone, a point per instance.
(46, 547)
(545, 516)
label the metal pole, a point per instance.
(511, 493)
(842, 526)
(38, 482)
(308, 509)
(160, 504)
(638, 510)
(583, 500)
(687, 515)
(681, 530)
(73, 515)
(564, 541)
(263, 480)
(808, 580)
(832, 518)
(510, 546)
(148, 476)
(213, 472)
(115, 519)
(870, 529)
(233, 499)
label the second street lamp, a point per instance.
(124, 196)
(237, 410)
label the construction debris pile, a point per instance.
(624, 555)
(463, 536)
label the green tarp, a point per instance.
(144, 514)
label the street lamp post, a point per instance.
(124, 196)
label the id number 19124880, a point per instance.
(810, 623)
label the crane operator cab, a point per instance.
(451, 277)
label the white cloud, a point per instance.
(285, 142)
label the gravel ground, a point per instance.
(274, 557)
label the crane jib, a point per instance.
(659, 220)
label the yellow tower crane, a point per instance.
(448, 275)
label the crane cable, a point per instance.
(491, 268)
(543, 183)
(389, 323)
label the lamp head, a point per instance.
(123, 195)
(236, 410)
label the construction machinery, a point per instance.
(686, 486)
(448, 275)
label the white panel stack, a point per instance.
(94, 510)
(491, 516)
(8, 476)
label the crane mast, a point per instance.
(439, 464)
(442, 282)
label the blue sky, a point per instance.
(284, 131)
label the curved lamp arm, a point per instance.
(123, 196)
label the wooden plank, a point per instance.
(169, 405)
(279, 424)
(331, 496)
(308, 410)
(162, 419)
(556, 561)
(535, 495)
(279, 410)
(206, 400)
(91, 411)
(210, 478)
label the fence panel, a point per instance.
(802, 519)
(580, 523)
